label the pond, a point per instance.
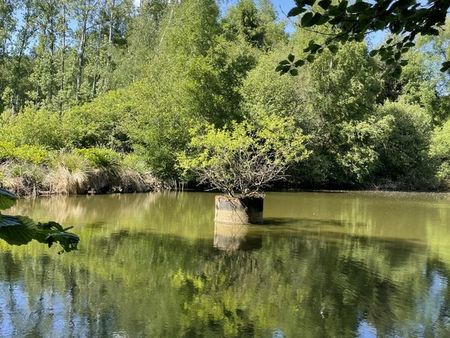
(155, 265)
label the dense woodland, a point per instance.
(105, 95)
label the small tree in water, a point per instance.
(244, 157)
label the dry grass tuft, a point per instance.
(42, 180)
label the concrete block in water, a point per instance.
(239, 210)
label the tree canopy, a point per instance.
(246, 158)
(104, 96)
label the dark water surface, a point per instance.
(156, 265)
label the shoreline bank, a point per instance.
(157, 186)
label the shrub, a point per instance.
(245, 157)
(36, 127)
(404, 156)
(443, 175)
(100, 123)
(22, 178)
(23, 153)
(357, 144)
(100, 157)
(135, 163)
(440, 151)
(440, 143)
(72, 161)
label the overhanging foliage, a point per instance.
(20, 230)
(351, 21)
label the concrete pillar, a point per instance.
(239, 210)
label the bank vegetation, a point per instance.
(112, 98)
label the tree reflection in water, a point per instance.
(157, 266)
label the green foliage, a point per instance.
(100, 157)
(59, 53)
(73, 161)
(198, 86)
(28, 175)
(440, 144)
(346, 86)
(142, 40)
(357, 153)
(136, 163)
(263, 90)
(352, 21)
(443, 175)
(101, 123)
(440, 151)
(88, 87)
(37, 127)
(26, 153)
(245, 157)
(20, 230)
(343, 134)
(421, 82)
(404, 156)
(256, 26)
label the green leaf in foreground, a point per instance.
(20, 230)
(7, 199)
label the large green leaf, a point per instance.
(20, 230)
(16, 230)
(7, 199)
(67, 240)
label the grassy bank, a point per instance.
(32, 170)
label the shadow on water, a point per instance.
(307, 222)
(333, 231)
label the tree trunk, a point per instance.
(63, 56)
(81, 51)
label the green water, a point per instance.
(156, 265)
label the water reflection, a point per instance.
(232, 237)
(333, 265)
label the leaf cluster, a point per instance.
(352, 21)
(20, 230)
